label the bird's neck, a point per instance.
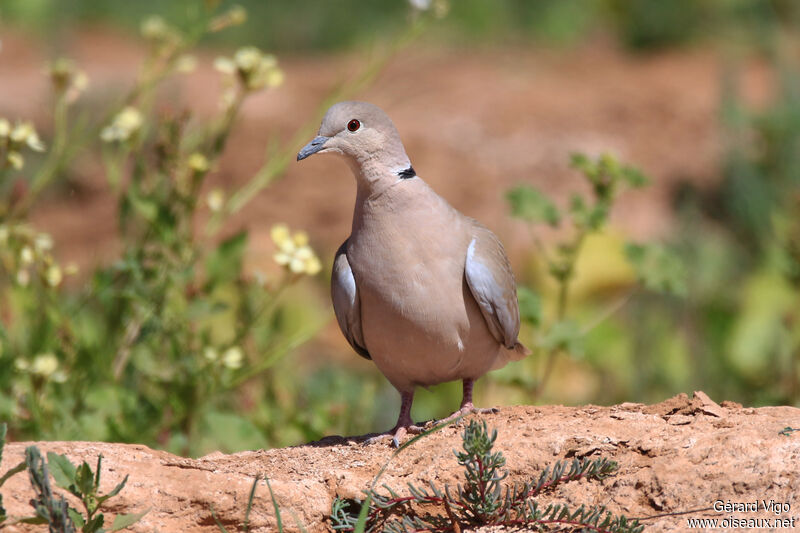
(374, 176)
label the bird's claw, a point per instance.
(468, 410)
(396, 434)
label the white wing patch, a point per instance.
(489, 296)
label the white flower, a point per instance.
(154, 28)
(21, 364)
(422, 5)
(294, 251)
(124, 126)
(215, 200)
(233, 357)
(44, 365)
(25, 133)
(26, 255)
(255, 69)
(210, 354)
(43, 242)
(224, 65)
(23, 277)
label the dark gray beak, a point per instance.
(312, 148)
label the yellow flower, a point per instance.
(294, 251)
(124, 126)
(154, 28)
(26, 255)
(54, 276)
(186, 63)
(215, 200)
(44, 365)
(5, 128)
(237, 15)
(275, 77)
(21, 364)
(198, 162)
(233, 357)
(15, 159)
(280, 234)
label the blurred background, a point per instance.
(160, 250)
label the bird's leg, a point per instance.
(466, 404)
(404, 423)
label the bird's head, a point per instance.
(362, 133)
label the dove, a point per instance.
(423, 291)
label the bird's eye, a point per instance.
(353, 125)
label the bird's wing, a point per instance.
(344, 294)
(491, 282)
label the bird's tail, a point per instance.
(519, 351)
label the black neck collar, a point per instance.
(407, 173)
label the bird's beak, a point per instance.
(317, 144)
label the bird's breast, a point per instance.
(420, 322)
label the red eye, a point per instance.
(353, 125)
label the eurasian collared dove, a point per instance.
(424, 291)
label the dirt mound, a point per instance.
(678, 456)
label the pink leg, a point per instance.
(466, 404)
(404, 423)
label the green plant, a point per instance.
(165, 341)
(483, 500)
(12, 471)
(656, 268)
(54, 510)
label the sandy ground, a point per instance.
(676, 459)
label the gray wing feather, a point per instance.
(346, 305)
(491, 283)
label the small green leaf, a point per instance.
(275, 506)
(530, 306)
(62, 469)
(114, 491)
(225, 263)
(95, 525)
(16, 470)
(121, 521)
(634, 177)
(84, 479)
(657, 268)
(530, 204)
(33, 520)
(76, 517)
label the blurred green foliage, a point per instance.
(155, 346)
(290, 25)
(174, 346)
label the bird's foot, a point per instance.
(396, 433)
(467, 409)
